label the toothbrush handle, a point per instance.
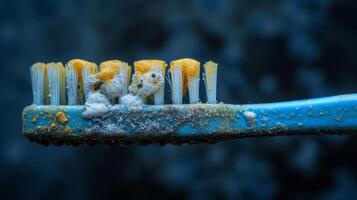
(192, 123)
(328, 114)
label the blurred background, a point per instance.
(267, 51)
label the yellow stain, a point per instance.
(53, 126)
(190, 69)
(109, 68)
(143, 66)
(210, 68)
(61, 117)
(78, 65)
(39, 65)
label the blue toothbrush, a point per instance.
(178, 123)
(191, 123)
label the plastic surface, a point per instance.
(192, 123)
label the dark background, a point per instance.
(267, 50)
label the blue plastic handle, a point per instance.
(192, 123)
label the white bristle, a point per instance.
(194, 88)
(63, 87)
(177, 84)
(86, 72)
(78, 76)
(39, 85)
(124, 72)
(128, 78)
(56, 76)
(168, 79)
(211, 81)
(159, 96)
(72, 85)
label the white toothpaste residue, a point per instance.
(250, 117)
(102, 92)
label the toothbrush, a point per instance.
(175, 123)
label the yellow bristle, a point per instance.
(109, 68)
(211, 81)
(143, 66)
(210, 70)
(190, 69)
(82, 67)
(190, 66)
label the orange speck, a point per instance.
(67, 130)
(42, 129)
(61, 117)
(53, 126)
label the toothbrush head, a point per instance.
(96, 94)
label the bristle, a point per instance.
(211, 81)
(177, 85)
(72, 85)
(168, 79)
(190, 77)
(75, 77)
(86, 82)
(78, 72)
(194, 87)
(159, 96)
(39, 85)
(128, 74)
(87, 71)
(56, 83)
(125, 71)
(128, 78)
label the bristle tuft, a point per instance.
(125, 70)
(194, 87)
(39, 85)
(159, 96)
(177, 84)
(78, 73)
(87, 71)
(56, 83)
(72, 85)
(211, 81)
